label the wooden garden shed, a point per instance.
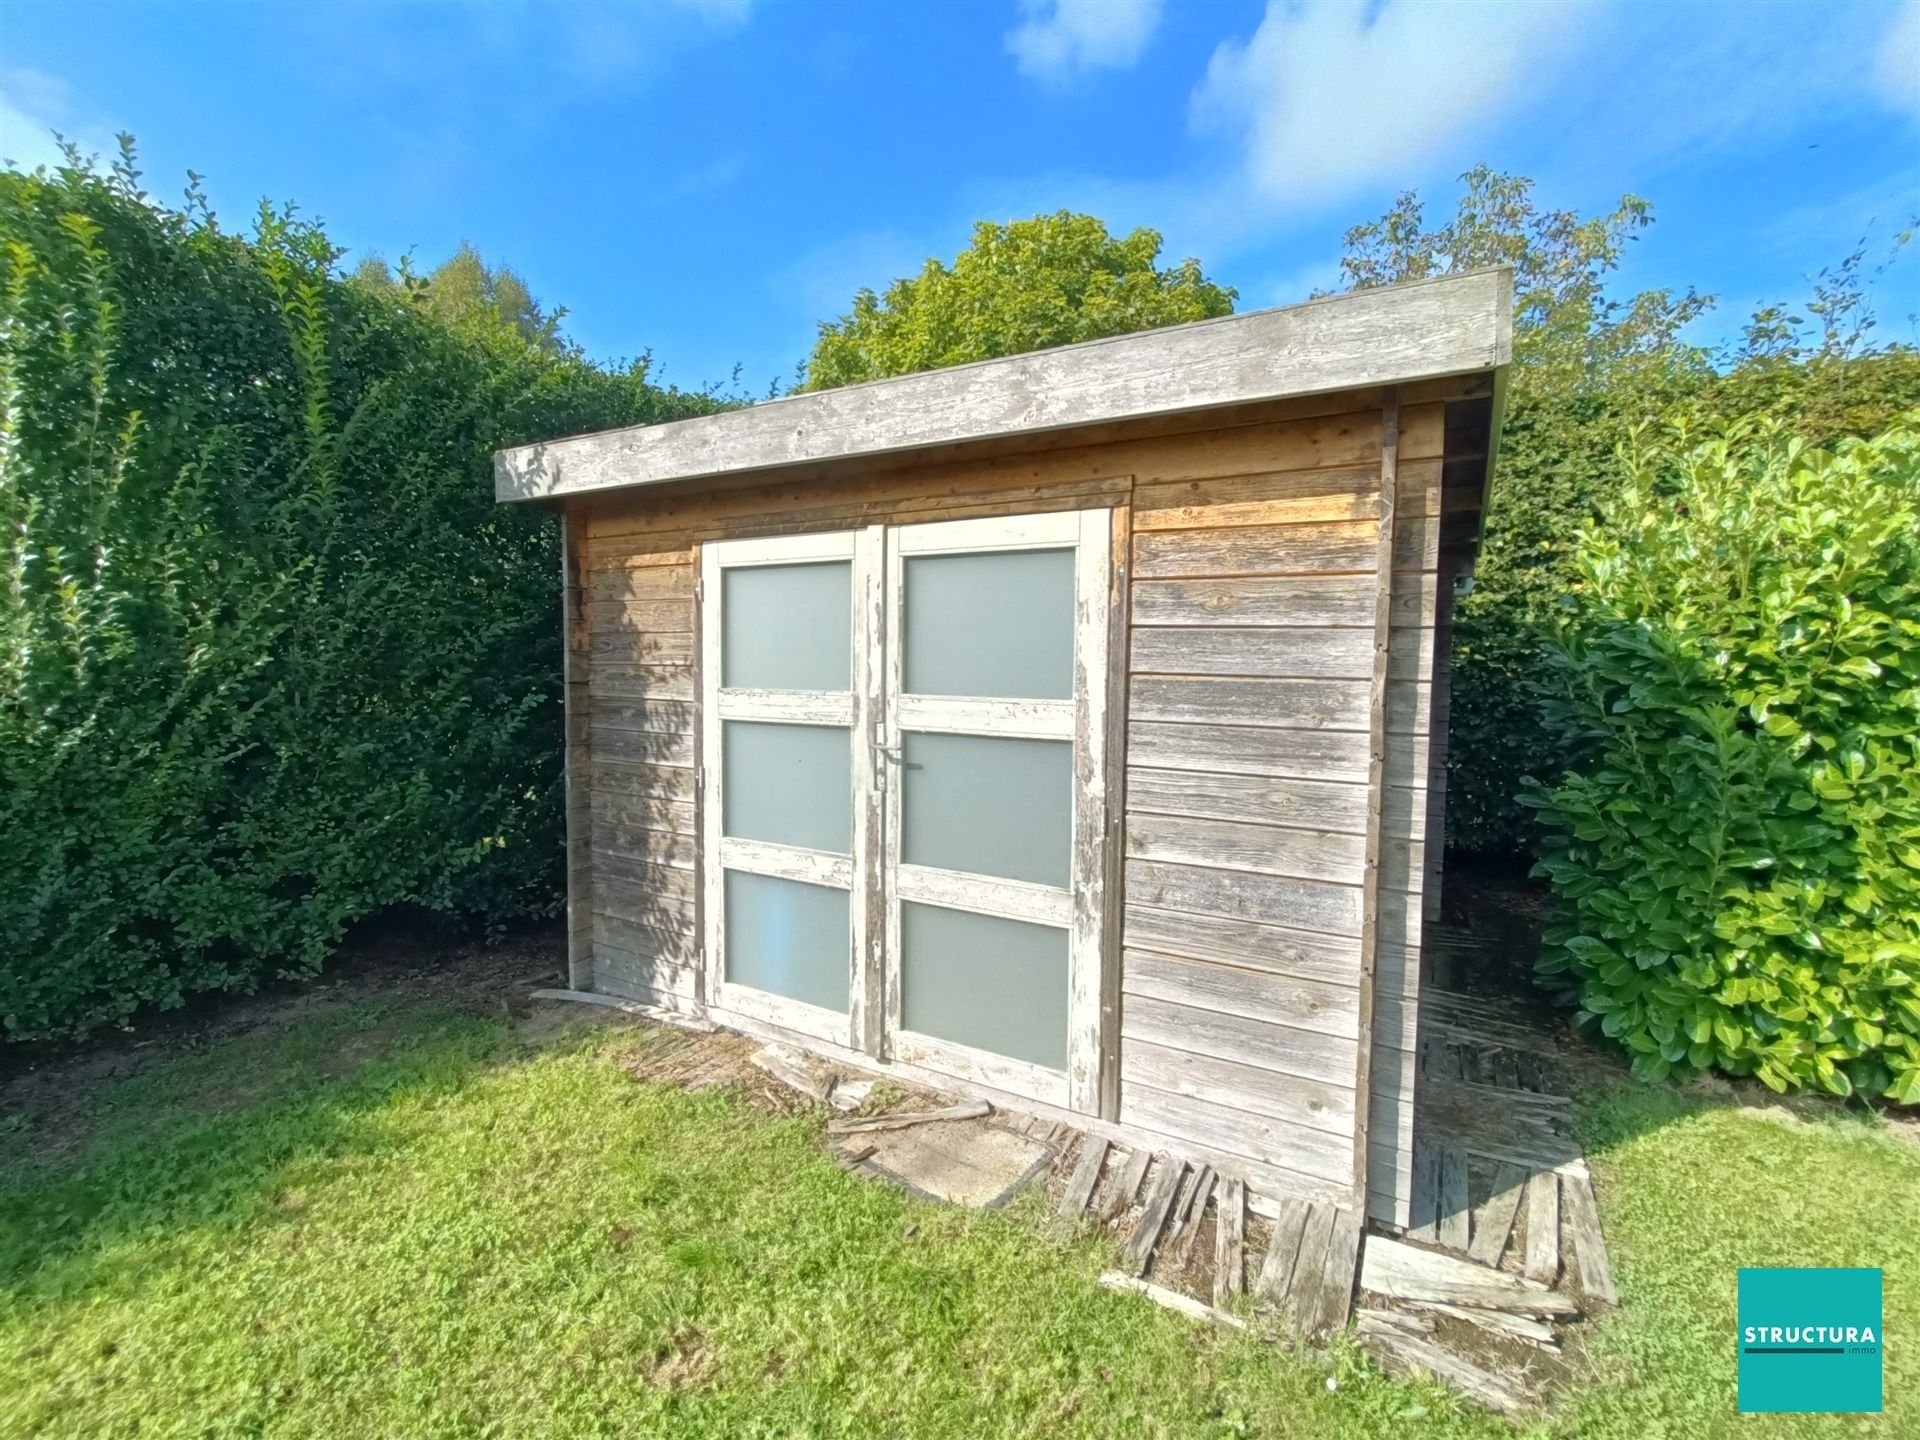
(1065, 730)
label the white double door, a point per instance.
(903, 792)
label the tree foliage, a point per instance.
(1737, 843)
(1050, 280)
(463, 291)
(271, 657)
(1588, 367)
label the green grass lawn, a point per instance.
(391, 1217)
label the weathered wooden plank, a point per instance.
(1367, 337)
(642, 812)
(1164, 1188)
(1426, 1193)
(666, 717)
(1126, 1184)
(1284, 703)
(1086, 1175)
(1188, 1213)
(649, 847)
(1229, 1244)
(1310, 854)
(641, 616)
(1337, 1276)
(614, 681)
(619, 775)
(641, 747)
(1543, 1227)
(662, 880)
(1258, 750)
(1330, 959)
(1403, 1272)
(1214, 1081)
(1310, 1267)
(1253, 994)
(1334, 545)
(1260, 799)
(642, 647)
(1493, 1222)
(636, 902)
(1313, 1054)
(1308, 1152)
(1404, 1353)
(1283, 1249)
(668, 940)
(640, 971)
(1278, 652)
(1328, 599)
(1454, 1211)
(1589, 1246)
(1283, 497)
(1503, 1323)
(620, 584)
(1264, 899)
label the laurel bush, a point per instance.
(1737, 847)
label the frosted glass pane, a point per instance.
(978, 980)
(991, 625)
(787, 627)
(789, 939)
(791, 784)
(989, 806)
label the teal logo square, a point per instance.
(1809, 1341)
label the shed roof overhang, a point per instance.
(1393, 335)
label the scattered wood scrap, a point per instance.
(1404, 1272)
(1172, 1299)
(1454, 1209)
(1493, 1221)
(1165, 1189)
(1185, 1224)
(1369, 1320)
(811, 1077)
(1283, 1249)
(1583, 1228)
(1126, 1185)
(1086, 1175)
(1229, 1240)
(1404, 1352)
(1335, 1299)
(1499, 1322)
(972, 1110)
(1543, 1227)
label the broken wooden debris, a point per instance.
(1309, 1269)
(1283, 1248)
(1493, 1221)
(1161, 1193)
(1126, 1184)
(1583, 1228)
(1188, 1213)
(1404, 1272)
(1543, 1227)
(1370, 1319)
(1229, 1240)
(1335, 1299)
(1498, 1322)
(972, 1110)
(795, 1070)
(1426, 1192)
(849, 1094)
(850, 1158)
(632, 1007)
(1404, 1352)
(1172, 1299)
(1086, 1175)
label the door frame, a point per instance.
(1081, 720)
(853, 709)
(876, 710)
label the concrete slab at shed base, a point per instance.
(957, 1162)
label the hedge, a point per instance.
(1737, 678)
(271, 658)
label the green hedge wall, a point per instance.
(1737, 681)
(272, 660)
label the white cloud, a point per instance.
(1338, 96)
(1058, 38)
(1897, 65)
(33, 105)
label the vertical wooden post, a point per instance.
(1376, 791)
(1120, 572)
(868, 997)
(575, 771)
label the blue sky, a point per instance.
(707, 180)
